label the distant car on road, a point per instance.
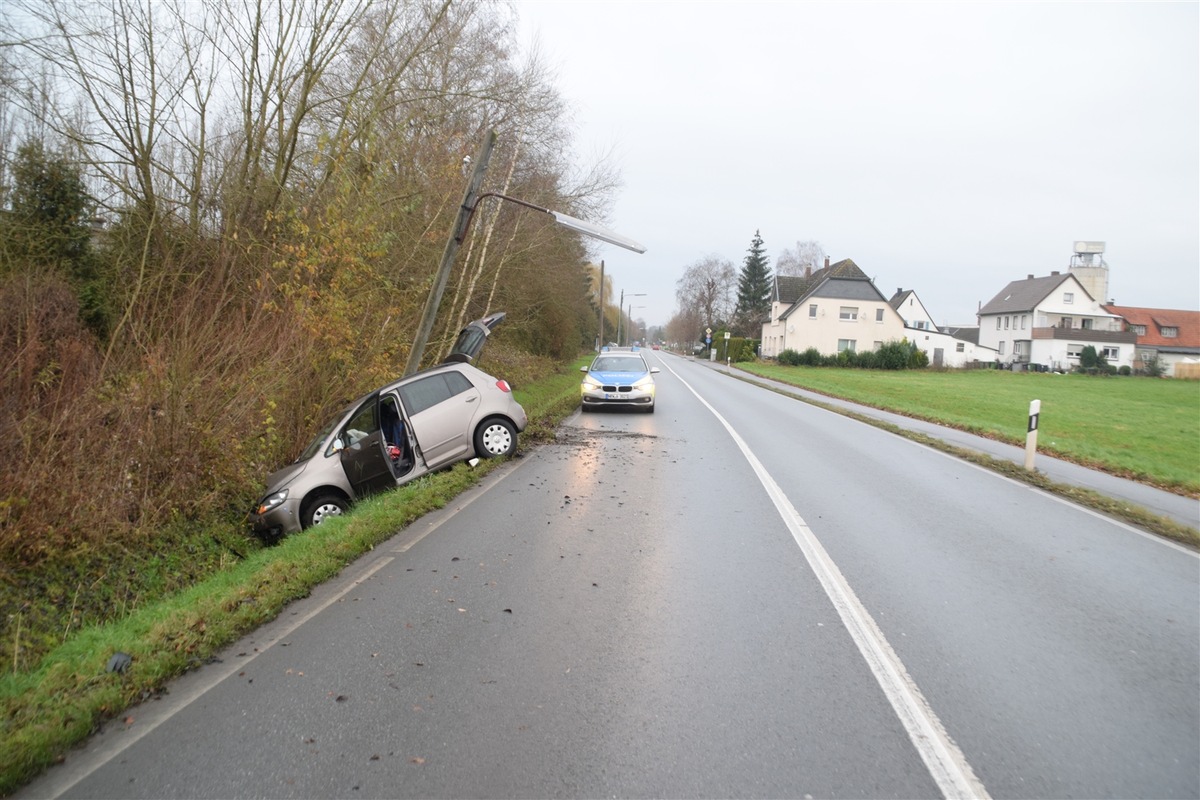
(408, 428)
(616, 379)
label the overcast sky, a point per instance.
(945, 147)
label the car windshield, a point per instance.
(314, 446)
(618, 364)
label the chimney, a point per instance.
(899, 289)
(808, 270)
(826, 262)
(1052, 274)
(1030, 277)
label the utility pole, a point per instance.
(620, 308)
(600, 335)
(443, 274)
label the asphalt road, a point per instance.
(740, 595)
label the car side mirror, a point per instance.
(654, 370)
(583, 369)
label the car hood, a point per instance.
(618, 377)
(281, 478)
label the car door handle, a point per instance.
(472, 399)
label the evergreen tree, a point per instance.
(48, 223)
(754, 290)
(48, 226)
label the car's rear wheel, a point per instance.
(494, 438)
(321, 508)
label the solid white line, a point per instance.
(85, 766)
(946, 763)
(58, 782)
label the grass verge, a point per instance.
(69, 694)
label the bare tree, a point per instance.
(707, 289)
(805, 256)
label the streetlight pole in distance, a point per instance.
(628, 333)
(620, 308)
(600, 328)
(466, 211)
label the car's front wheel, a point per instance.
(494, 438)
(321, 508)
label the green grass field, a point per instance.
(1139, 427)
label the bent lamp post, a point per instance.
(466, 211)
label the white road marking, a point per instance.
(59, 782)
(946, 763)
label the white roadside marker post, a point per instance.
(1035, 408)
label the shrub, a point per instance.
(789, 358)
(812, 358)
(1154, 368)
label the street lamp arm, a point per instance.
(566, 220)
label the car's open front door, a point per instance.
(364, 452)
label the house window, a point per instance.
(1074, 350)
(877, 345)
(919, 324)
(1086, 324)
(1140, 330)
(1170, 331)
(1066, 322)
(1068, 297)
(812, 311)
(1023, 318)
(846, 344)
(960, 347)
(879, 315)
(997, 323)
(849, 313)
(1112, 353)
(1000, 349)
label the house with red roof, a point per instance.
(1170, 335)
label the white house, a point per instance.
(943, 348)
(833, 309)
(1047, 322)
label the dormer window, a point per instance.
(1170, 331)
(1140, 330)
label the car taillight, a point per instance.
(503, 386)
